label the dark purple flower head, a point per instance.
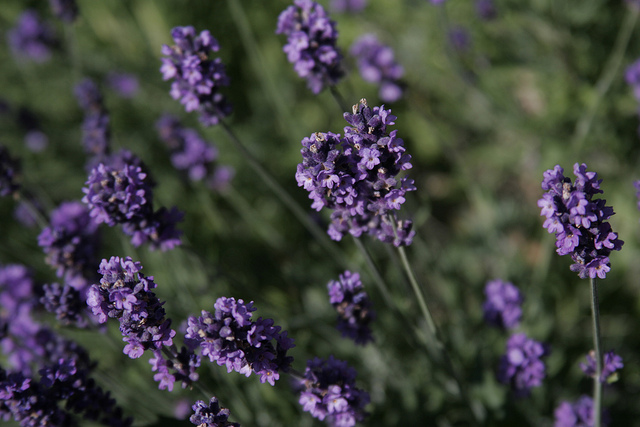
(377, 65)
(65, 10)
(311, 44)
(578, 221)
(31, 38)
(502, 307)
(197, 78)
(211, 414)
(231, 338)
(521, 366)
(357, 176)
(348, 5)
(9, 173)
(96, 134)
(328, 390)
(124, 84)
(486, 9)
(611, 363)
(460, 38)
(355, 310)
(577, 414)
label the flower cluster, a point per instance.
(577, 414)
(230, 338)
(578, 221)
(354, 307)
(521, 366)
(197, 78)
(611, 362)
(95, 127)
(486, 9)
(31, 38)
(65, 10)
(348, 5)
(211, 415)
(121, 193)
(9, 172)
(377, 65)
(328, 390)
(502, 307)
(357, 176)
(124, 84)
(192, 154)
(311, 44)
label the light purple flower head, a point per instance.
(348, 5)
(521, 366)
(96, 134)
(31, 38)
(311, 44)
(124, 84)
(211, 414)
(502, 307)
(578, 414)
(355, 310)
(611, 363)
(377, 65)
(486, 9)
(632, 77)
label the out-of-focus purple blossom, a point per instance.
(579, 222)
(124, 84)
(95, 127)
(377, 65)
(31, 38)
(34, 138)
(311, 44)
(121, 193)
(348, 5)
(211, 414)
(197, 78)
(632, 77)
(460, 38)
(328, 390)
(231, 338)
(357, 176)
(9, 173)
(65, 10)
(486, 9)
(27, 212)
(633, 3)
(192, 154)
(521, 366)
(578, 414)
(611, 363)
(355, 310)
(502, 307)
(437, 2)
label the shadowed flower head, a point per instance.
(65, 10)
(9, 173)
(311, 44)
(328, 390)
(486, 9)
(211, 415)
(231, 338)
(197, 78)
(377, 65)
(521, 366)
(577, 414)
(124, 84)
(578, 221)
(611, 363)
(356, 176)
(502, 307)
(96, 134)
(355, 310)
(31, 38)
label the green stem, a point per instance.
(597, 385)
(374, 271)
(606, 79)
(339, 99)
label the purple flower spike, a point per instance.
(9, 173)
(377, 65)
(328, 390)
(502, 308)
(65, 10)
(231, 338)
(211, 415)
(311, 44)
(197, 78)
(579, 222)
(578, 414)
(611, 363)
(355, 311)
(357, 176)
(124, 84)
(31, 38)
(521, 366)
(96, 134)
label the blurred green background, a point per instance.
(540, 85)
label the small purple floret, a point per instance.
(355, 310)
(31, 38)
(521, 366)
(611, 363)
(577, 414)
(211, 414)
(502, 307)
(377, 65)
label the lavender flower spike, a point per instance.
(31, 38)
(578, 414)
(311, 44)
(522, 366)
(211, 415)
(355, 311)
(502, 308)
(65, 10)
(377, 65)
(611, 363)
(579, 222)
(197, 78)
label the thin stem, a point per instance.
(377, 277)
(597, 385)
(339, 99)
(606, 79)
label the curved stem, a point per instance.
(377, 277)
(339, 99)
(597, 385)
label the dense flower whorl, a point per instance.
(328, 390)
(9, 173)
(502, 307)
(311, 44)
(357, 176)
(577, 414)
(377, 65)
(611, 363)
(197, 78)
(355, 310)
(211, 414)
(231, 338)
(578, 221)
(31, 38)
(521, 366)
